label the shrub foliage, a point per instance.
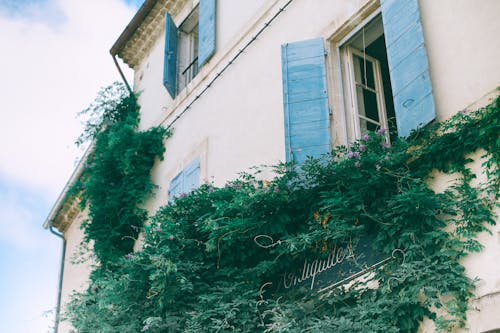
(215, 259)
(116, 180)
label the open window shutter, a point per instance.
(192, 176)
(408, 65)
(170, 60)
(176, 185)
(307, 121)
(206, 33)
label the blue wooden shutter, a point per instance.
(192, 175)
(408, 65)
(176, 185)
(186, 181)
(170, 59)
(206, 34)
(307, 121)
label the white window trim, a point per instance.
(338, 36)
(350, 122)
(358, 28)
(350, 52)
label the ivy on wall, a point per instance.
(216, 259)
(116, 181)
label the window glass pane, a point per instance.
(366, 125)
(370, 102)
(367, 104)
(363, 69)
(361, 101)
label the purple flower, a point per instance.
(381, 131)
(366, 137)
(385, 145)
(145, 328)
(357, 164)
(362, 147)
(276, 189)
(129, 255)
(350, 154)
(356, 154)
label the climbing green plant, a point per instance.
(218, 258)
(116, 182)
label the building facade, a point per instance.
(249, 83)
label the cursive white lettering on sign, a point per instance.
(311, 269)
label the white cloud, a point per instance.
(55, 57)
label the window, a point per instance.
(367, 82)
(187, 50)
(188, 47)
(385, 78)
(186, 180)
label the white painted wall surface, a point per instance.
(462, 39)
(238, 122)
(241, 116)
(76, 272)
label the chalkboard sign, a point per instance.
(342, 263)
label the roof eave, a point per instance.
(131, 28)
(63, 198)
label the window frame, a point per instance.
(344, 51)
(349, 54)
(188, 35)
(203, 24)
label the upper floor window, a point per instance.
(385, 76)
(189, 46)
(187, 50)
(367, 82)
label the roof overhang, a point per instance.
(146, 26)
(67, 206)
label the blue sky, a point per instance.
(55, 57)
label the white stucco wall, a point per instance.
(463, 49)
(238, 122)
(484, 310)
(240, 118)
(232, 19)
(76, 268)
